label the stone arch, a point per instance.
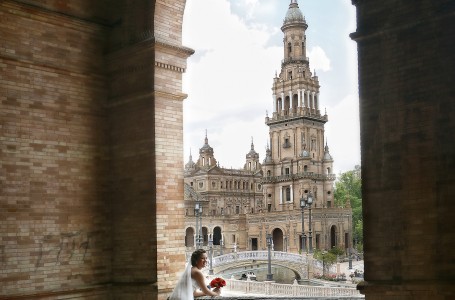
(217, 235)
(333, 236)
(287, 103)
(205, 236)
(278, 239)
(189, 237)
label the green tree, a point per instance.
(348, 188)
(327, 258)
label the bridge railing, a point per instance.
(257, 255)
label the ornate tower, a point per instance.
(252, 160)
(296, 162)
(206, 158)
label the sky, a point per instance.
(238, 50)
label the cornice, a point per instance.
(169, 67)
(172, 96)
(177, 48)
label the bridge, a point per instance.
(294, 262)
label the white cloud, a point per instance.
(343, 134)
(318, 59)
(229, 85)
(230, 76)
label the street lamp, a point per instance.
(269, 269)
(307, 202)
(302, 206)
(197, 213)
(310, 233)
(211, 255)
(350, 258)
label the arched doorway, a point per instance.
(333, 236)
(189, 237)
(217, 235)
(277, 235)
(205, 237)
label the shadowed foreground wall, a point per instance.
(91, 148)
(406, 55)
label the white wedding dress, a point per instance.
(185, 286)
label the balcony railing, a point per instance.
(308, 175)
(298, 59)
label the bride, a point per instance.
(192, 283)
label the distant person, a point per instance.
(192, 282)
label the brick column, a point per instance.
(407, 114)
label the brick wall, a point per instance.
(53, 223)
(91, 150)
(406, 67)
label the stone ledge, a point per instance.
(279, 297)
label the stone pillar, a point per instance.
(407, 117)
(299, 100)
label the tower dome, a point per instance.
(206, 149)
(327, 156)
(252, 154)
(294, 14)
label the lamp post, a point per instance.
(211, 255)
(197, 213)
(310, 233)
(307, 202)
(269, 268)
(350, 258)
(302, 206)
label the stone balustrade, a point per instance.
(247, 289)
(291, 290)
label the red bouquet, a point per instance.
(217, 282)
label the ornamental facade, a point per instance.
(240, 207)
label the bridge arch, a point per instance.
(294, 262)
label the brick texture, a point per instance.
(53, 220)
(91, 137)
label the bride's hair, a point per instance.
(196, 255)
